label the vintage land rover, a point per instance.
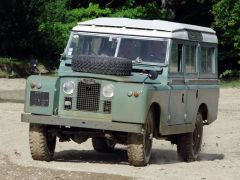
(127, 81)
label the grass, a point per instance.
(8, 67)
(233, 83)
(11, 61)
(12, 68)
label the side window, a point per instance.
(207, 60)
(190, 59)
(176, 59)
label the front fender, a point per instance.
(131, 109)
(43, 97)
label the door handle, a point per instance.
(182, 98)
(197, 94)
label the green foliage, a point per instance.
(227, 24)
(230, 74)
(15, 68)
(148, 11)
(83, 14)
(10, 67)
(40, 29)
(54, 36)
(235, 83)
(53, 11)
(56, 22)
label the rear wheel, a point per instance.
(140, 145)
(42, 142)
(189, 144)
(103, 145)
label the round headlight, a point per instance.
(108, 91)
(68, 87)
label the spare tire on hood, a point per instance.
(102, 65)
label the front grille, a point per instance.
(88, 96)
(39, 98)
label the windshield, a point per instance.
(91, 45)
(141, 50)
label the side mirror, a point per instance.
(34, 63)
(152, 75)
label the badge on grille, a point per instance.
(89, 81)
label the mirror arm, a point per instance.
(145, 79)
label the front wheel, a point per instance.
(140, 145)
(189, 144)
(42, 142)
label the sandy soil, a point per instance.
(12, 90)
(12, 84)
(220, 157)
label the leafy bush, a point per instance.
(41, 28)
(12, 68)
(230, 74)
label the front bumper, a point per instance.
(101, 125)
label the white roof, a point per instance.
(145, 24)
(153, 28)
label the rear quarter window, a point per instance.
(207, 60)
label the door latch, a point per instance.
(197, 94)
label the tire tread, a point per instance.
(38, 143)
(102, 65)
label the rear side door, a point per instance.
(178, 89)
(191, 79)
(177, 104)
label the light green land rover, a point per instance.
(127, 81)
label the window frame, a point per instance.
(184, 74)
(214, 73)
(178, 75)
(191, 75)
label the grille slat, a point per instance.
(88, 96)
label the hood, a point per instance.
(136, 77)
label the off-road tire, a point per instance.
(42, 143)
(140, 145)
(102, 65)
(189, 144)
(103, 145)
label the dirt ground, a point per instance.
(220, 157)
